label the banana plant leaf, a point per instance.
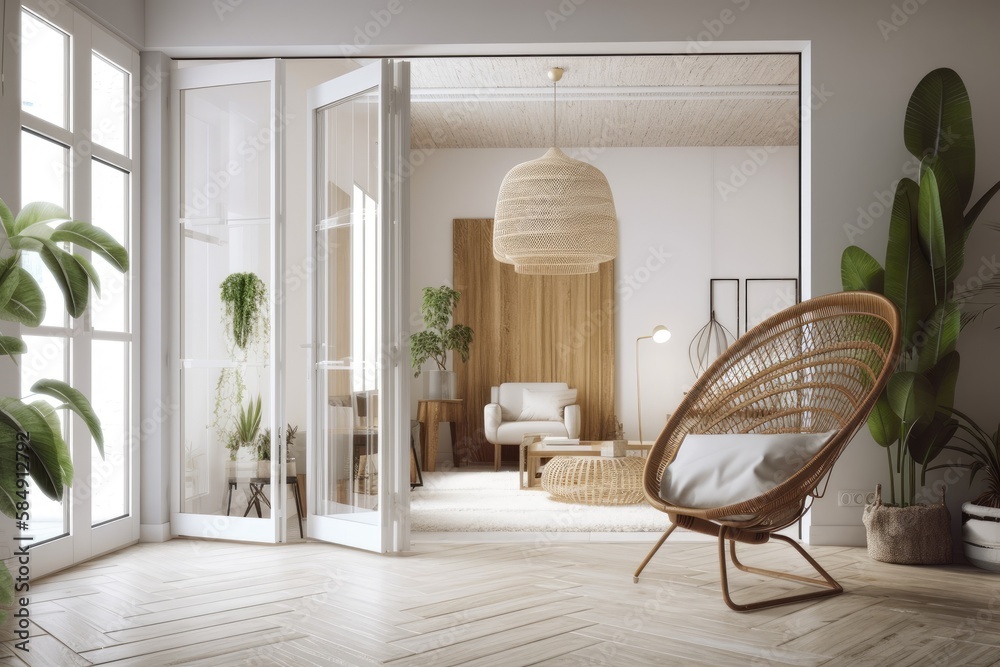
(73, 279)
(47, 451)
(925, 446)
(93, 238)
(11, 346)
(938, 123)
(883, 422)
(9, 277)
(26, 304)
(75, 401)
(860, 271)
(940, 335)
(911, 397)
(908, 278)
(952, 218)
(943, 377)
(37, 213)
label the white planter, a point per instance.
(441, 385)
(264, 469)
(981, 536)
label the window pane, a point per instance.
(109, 111)
(44, 82)
(46, 358)
(43, 178)
(110, 212)
(110, 398)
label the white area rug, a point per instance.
(487, 501)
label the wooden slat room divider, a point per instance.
(531, 329)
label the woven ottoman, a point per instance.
(595, 480)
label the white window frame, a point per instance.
(84, 540)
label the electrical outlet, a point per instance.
(855, 498)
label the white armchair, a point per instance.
(550, 409)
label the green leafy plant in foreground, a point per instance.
(983, 450)
(929, 225)
(44, 229)
(434, 342)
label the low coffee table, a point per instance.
(532, 451)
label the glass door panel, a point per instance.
(354, 482)
(229, 476)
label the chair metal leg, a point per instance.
(649, 556)
(828, 583)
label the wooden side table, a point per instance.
(430, 413)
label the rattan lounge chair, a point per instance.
(815, 367)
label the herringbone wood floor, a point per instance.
(550, 603)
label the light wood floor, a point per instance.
(549, 603)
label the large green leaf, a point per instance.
(9, 277)
(75, 401)
(952, 217)
(8, 471)
(860, 271)
(27, 304)
(973, 214)
(930, 225)
(47, 462)
(883, 422)
(63, 457)
(943, 377)
(73, 280)
(96, 239)
(940, 335)
(908, 281)
(925, 447)
(7, 217)
(95, 277)
(911, 397)
(939, 123)
(38, 212)
(11, 345)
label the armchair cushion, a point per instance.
(546, 404)
(512, 433)
(711, 471)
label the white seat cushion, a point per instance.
(717, 470)
(511, 433)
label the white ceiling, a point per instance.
(615, 101)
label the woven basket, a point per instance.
(914, 535)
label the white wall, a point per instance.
(681, 222)
(127, 18)
(867, 55)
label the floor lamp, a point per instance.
(660, 334)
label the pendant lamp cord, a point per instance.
(555, 143)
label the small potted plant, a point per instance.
(437, 339)
(263, 451)
(244, 437)
(981, 516)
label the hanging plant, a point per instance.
(246, 327)
(244, 297)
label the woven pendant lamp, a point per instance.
(555, 215)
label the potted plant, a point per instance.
(263, 451)
(929, 224)
(981, 516)
(437, 339)
(31, 428)
(246, 328)
(244, 441)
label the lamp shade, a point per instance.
(661, 334)
(555, 215)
